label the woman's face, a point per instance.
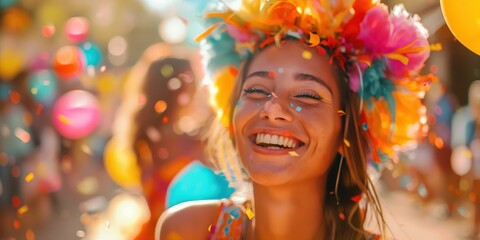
(286, 121)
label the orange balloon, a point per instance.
(68, 62)
(463, 19)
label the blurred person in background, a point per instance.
(30, 174)
(163, 113)
(473, 142)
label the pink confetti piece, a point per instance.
(23, 135)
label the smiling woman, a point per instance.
(317, 86)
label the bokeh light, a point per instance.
(173, 30)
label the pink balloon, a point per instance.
(76, 114)
(77, 29)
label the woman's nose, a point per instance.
(273, 110)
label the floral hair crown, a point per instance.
(381, 52)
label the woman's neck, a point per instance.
(293, 211)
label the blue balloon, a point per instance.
(6, 3)
(197, 182)
(5, 90)
(92, 53)
(43, 86)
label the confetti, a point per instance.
(48, 30)
(167, 70)
(365, 126)
(174, 84)
(22, 210)
(357, 198)
(347, 143)
(16, 224)
(436, 47)
(250, 214)
(298, 109)
(341, 112)
(16, 201)
(165, 120)
(39, 109)
(160, 106)
(23, 135)
(291, 105)
(15, 97)
(271, 74)
(29, 177)
(293, 153)
(30, 235)
(80, 234)
(211, 227)
(34, 91)
(306, 55)
(63, 119)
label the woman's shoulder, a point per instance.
(189, 220)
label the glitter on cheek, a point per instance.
(291, 105)
(298, 109)
(280, 70)
(293, 153)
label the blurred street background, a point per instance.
(101, 106)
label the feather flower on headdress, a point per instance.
(382, 52)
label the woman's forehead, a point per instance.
(290, 54)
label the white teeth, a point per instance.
(281, 141)
(274, 139)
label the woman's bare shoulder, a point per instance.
(189, 220)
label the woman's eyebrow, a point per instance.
(308, 77)
(263, 74)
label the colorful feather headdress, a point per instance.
(382, 53)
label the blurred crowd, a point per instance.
(102, 124)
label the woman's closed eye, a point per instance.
(309, 96)
(257, 93)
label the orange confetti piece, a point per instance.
(30, 235)
(22, 210)
(250, 214)
(293, 153)
(15, 97)
(210, 228)
(314, 39)
(341, 112)
(307, 55)
(347, 143)
(29, 177)
(63, 119)
(165, 120)
(436, 47)
(207, 32)
(16, 224)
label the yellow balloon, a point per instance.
(11, 63)
(463, 19)
(121, 164)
